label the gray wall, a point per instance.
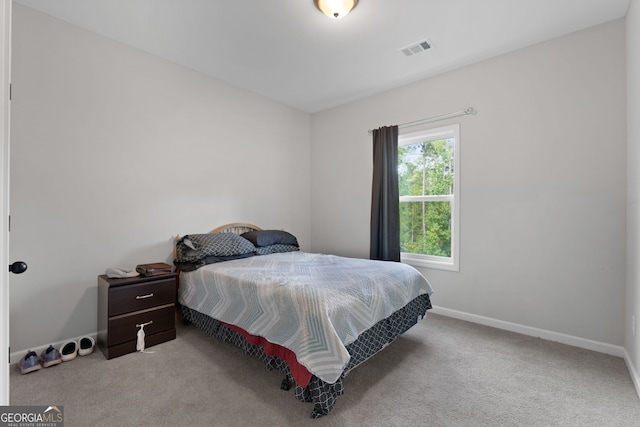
(114, 152)
(543, 186)
(632, 307)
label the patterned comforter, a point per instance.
(312, 304)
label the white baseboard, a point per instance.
(614, 350)
(632, 371)
(15, 356)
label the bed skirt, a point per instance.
(322, 394)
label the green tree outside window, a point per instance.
(426, 168)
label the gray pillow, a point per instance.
(262, 238)
(194, 247)
(194, 265)
(277, 248)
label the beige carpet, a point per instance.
(443, 372)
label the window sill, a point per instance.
(417, 261)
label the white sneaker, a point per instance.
(86, 346)
(69, 351)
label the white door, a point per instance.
(5, 78)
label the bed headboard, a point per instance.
(236, 227)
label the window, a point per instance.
(428, 180)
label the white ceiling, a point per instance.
(288, 51)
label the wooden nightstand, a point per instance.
(125, 303)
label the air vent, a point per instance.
(418, 47)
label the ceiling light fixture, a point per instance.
(335, 8)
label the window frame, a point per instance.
(451, 263)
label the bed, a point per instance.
(312, 316)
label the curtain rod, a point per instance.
(466, 112)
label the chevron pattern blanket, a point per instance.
(312, 304)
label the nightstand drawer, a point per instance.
(123, 328)
(130, 298)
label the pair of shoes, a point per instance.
(71, 349)
(29, 363)
(50, 357)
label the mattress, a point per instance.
(312, 304)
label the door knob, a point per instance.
(18, 267)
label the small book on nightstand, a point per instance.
(154, 269)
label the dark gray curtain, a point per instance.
(385, 206)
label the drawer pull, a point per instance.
(144, 296)
(140, 325)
